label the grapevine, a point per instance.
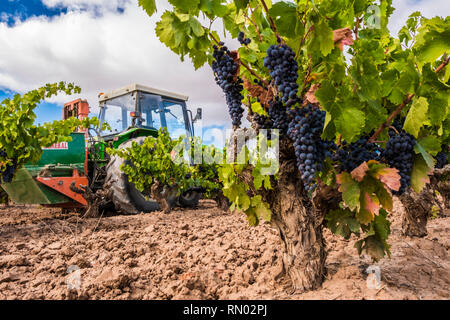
(225, 68)
(283, 70)
(305, 130)
(328, 105)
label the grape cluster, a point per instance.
(305, 130)
(351, 155)
(9, 170)
(441, 159)
(399, 154)
(242, 40)
(280, 61)
(279, 116)
(262, 121)
(224, 68)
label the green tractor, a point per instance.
(78, 173)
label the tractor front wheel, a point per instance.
(126, 198)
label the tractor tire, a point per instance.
(126, 198)
(189, 199)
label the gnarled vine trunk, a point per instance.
(418, 207)
(440, 181)
(299, 220)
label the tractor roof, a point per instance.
(134, 87)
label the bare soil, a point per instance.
(198, 254)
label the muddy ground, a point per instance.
(197, 254)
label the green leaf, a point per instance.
(285, 18)
(350, 190)
(196, 27)
(148, 5)
(429, 144)
(326, 94)
(373, 246)
(438, 107)
(382, 225)
(323, 35)
(342, 222)
(416, 116)
(419, 173)
(185, 6)
(418, 148)
(350, 122)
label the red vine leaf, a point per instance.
(371, 203)
(343, 37)
(360, 172)
(390, 177)
(256, 91)
(310, 95)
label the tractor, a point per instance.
(69, 174)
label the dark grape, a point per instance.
(399, 154)
(352, 155)
(279, 117)
(283, 67)
(224, 68)
(262, 121)
(305, 130)
(9, 169)
(242, 40)
(441, 158)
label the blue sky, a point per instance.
(13, 10)
(103, 45)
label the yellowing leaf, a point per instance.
(371, 203)
(359, 172)
(350, 190)
(419, 174)
(416, 117)
(390, 177)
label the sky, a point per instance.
(103, 45)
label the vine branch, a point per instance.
(405, 102)
(391, 117)
(272, 24)
(443, 64)
(253, 72)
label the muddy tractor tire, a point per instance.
(126, 198)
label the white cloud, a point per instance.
(85, 4)
(428, 8)
(100, 54)
(108, 51)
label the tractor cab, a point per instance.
(138, 108)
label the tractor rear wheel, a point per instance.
(126, 198)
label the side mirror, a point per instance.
(198, 116)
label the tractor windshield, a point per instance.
(156, 112)
(116, 112)
(174, 115)
(153, 112)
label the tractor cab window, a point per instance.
(116, 112)
(150, 110)
(174, 117)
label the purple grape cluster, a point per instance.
(280, 61)
(399, 154)
(279, 116)
(441, 158)
(9, 169)
(305, 130)
(224, 68)
(242, 40)
(351, 155)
